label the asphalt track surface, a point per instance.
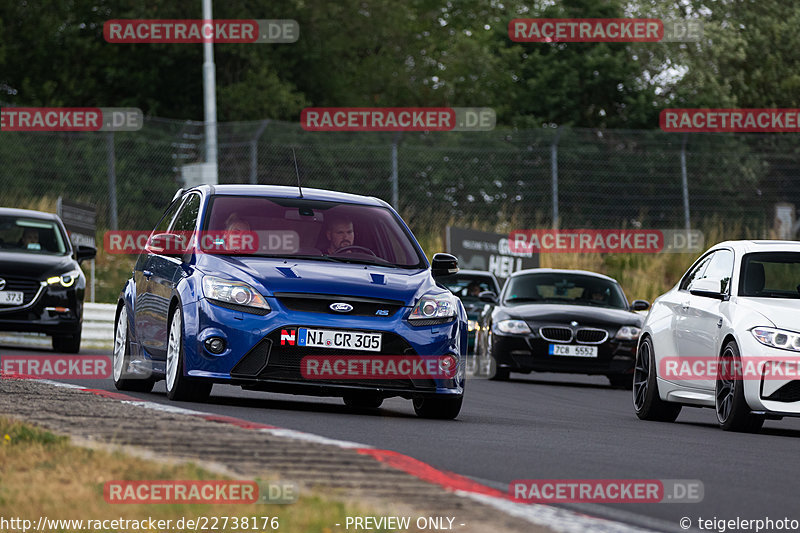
(550, 426)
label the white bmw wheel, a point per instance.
(120, 343)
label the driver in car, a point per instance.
(340, 235)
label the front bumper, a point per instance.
(54, 310)
(775, 387)
(255, 357)
(527, 353)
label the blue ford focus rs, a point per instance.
(271, 277)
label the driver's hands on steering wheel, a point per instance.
(354, 248)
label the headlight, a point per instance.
(67, 279)
(513, 326)
(628, 333)
(434, 309)
(233, 292)
(472, 325)
(777, 338)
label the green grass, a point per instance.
(42, 474)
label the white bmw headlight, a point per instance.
(431, 309)
(777, 338)
(67, 279)
(233, 292)
(513, 326)
(628, 333)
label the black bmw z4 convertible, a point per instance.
(570, 321)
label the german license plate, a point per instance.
(11, 297)
(332, 338)
(571, 350)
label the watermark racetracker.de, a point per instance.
(607, 490)
(188, 31)
(730, 120)
(55, 366)
(199, 491)
(398, 119)
(603, 30)
(71, 119)
(535, 241)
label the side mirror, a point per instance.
(444, 265)
(165, 244)
(488, 297)
(710, 288)
(84, 253)
(640, 305)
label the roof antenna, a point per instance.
(296, 171)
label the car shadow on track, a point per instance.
(770, 431)
(295, 405)
(570, 384)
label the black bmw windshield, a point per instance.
(564, 288)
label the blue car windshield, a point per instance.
(313, 229)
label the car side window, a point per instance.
(186, 219)
(167, 218)
(695, 273)
(720, 268)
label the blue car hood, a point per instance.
(271, 275)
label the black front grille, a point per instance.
(788, 393)
(591, 336)
(320, 303)
(254, 361)
(28, 286)
(283, 361)
(556, 334)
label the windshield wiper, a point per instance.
(288, 257)
(525, 299)
(372, 261)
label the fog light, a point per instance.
(215, 345)
(447, 364)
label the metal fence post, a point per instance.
(254, 152)
(112, 180)
(395, 175)
(554, 176)
(685, 181)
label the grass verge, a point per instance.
(42, 474)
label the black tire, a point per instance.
(363, 400)
(647, 404)
(180, 387)
(733, 413)
(68, 343)
(497, 372)
(500, 373)
(438, 408)
(621, 381)
(121, 359)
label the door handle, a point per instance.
(147, 273)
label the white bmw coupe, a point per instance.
(727, 336)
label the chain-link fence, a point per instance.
(498, 180)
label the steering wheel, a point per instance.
(355, 248)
